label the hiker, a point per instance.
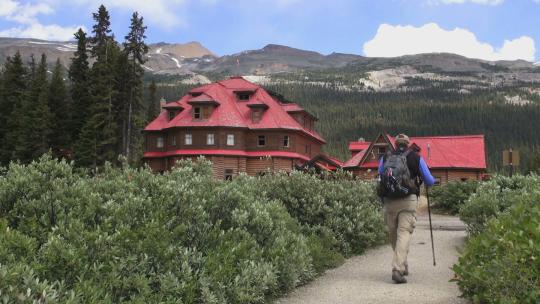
(401, 173)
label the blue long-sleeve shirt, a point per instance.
(426, 176)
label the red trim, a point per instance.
(157, 154)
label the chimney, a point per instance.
(162, 102)
(428, 151)
(361, 139)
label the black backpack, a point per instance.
(395, 180)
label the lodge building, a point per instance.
(237, 125)
(450, 158)
(241, 127)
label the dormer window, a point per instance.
(256, 115)
(172, 114)
(243, 96)
(202, 106)
(172, 108)
(197, 113)
(205, 112)
(257, 110)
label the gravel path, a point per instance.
(367, 278)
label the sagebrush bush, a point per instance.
(502, 263)
(494, 197)
(451, 196)
(127, 235)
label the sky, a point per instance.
(485, 29)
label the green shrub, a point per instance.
(127, 235)
(451, 196)
(348, 208)
(494, 197)
(502, 264)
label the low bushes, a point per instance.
(502, 264)
(501, 261)
(451, 196)
(494, 197)
(127, 235)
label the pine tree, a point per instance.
(60, 106)
(134, 49)
(154, 106)
(34, 120)
(14, 94)
(79, 71)
(103, 90)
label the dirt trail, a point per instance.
(367, 278)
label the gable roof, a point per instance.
(230, 112)
(356, 146)
(439, 152)
(466, 151)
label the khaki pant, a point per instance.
(400, 217)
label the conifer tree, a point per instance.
(14, 94)
(103, 90)
(34, 120)
(154, 106)
(79, 71)
(60, 106)
(134, 49)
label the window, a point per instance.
(159, 142)
(172, 114)
(188, 139)
(210, 139)
(301, 119)
(205, 112)
(382, 151)
(256, 115)
(286, 141)
(197, 112)
(230, 139)
(243, 96)
(228, 174)
(173, 140)
(261, 141)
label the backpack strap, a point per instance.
(406, 153)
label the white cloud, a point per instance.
(391, 41)
(163, 13)
(39, 31)
(482, 2)
(25, 14)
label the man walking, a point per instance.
(401, 173)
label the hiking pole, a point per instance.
(430, 227)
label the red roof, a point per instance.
(355, 146)
(453, 151)
(230, 112)
(355, 160)
(466, 151)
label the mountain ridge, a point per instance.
(192, 58)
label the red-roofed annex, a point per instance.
(237, 125)
(450, 158)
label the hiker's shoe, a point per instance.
(398, 277)
(406, 272)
